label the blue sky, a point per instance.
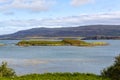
(18, 15)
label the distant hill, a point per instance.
(80, 31)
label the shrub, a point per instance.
(5, 71)
(113, 72)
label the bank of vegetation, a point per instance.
(64, 42)
(110, 73)
(58, 76)
(7, 73)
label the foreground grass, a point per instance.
(58, 76)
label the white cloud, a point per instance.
(32, 5)
(8, 13)
(93, 19)
(2, 1)
(80, 2)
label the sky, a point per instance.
(18, 15)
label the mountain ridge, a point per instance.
(79, 31)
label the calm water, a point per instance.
(40, 59)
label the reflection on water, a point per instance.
(40, 59)
(46, 61)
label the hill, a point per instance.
(80, 31)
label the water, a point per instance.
(41, 59)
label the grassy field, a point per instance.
(58, 76)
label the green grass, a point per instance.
(76, 42)
(65, 42)
(58, 76)
(40, 43)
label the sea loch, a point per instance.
(41, 59)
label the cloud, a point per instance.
(2, 1)
(80, 2)
(8, 13)
(31, 5)
(10, 26)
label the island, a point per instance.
(64, 42)
(2, 44)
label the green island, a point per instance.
(2, 44)
(64, 42)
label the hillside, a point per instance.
(80, 31)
